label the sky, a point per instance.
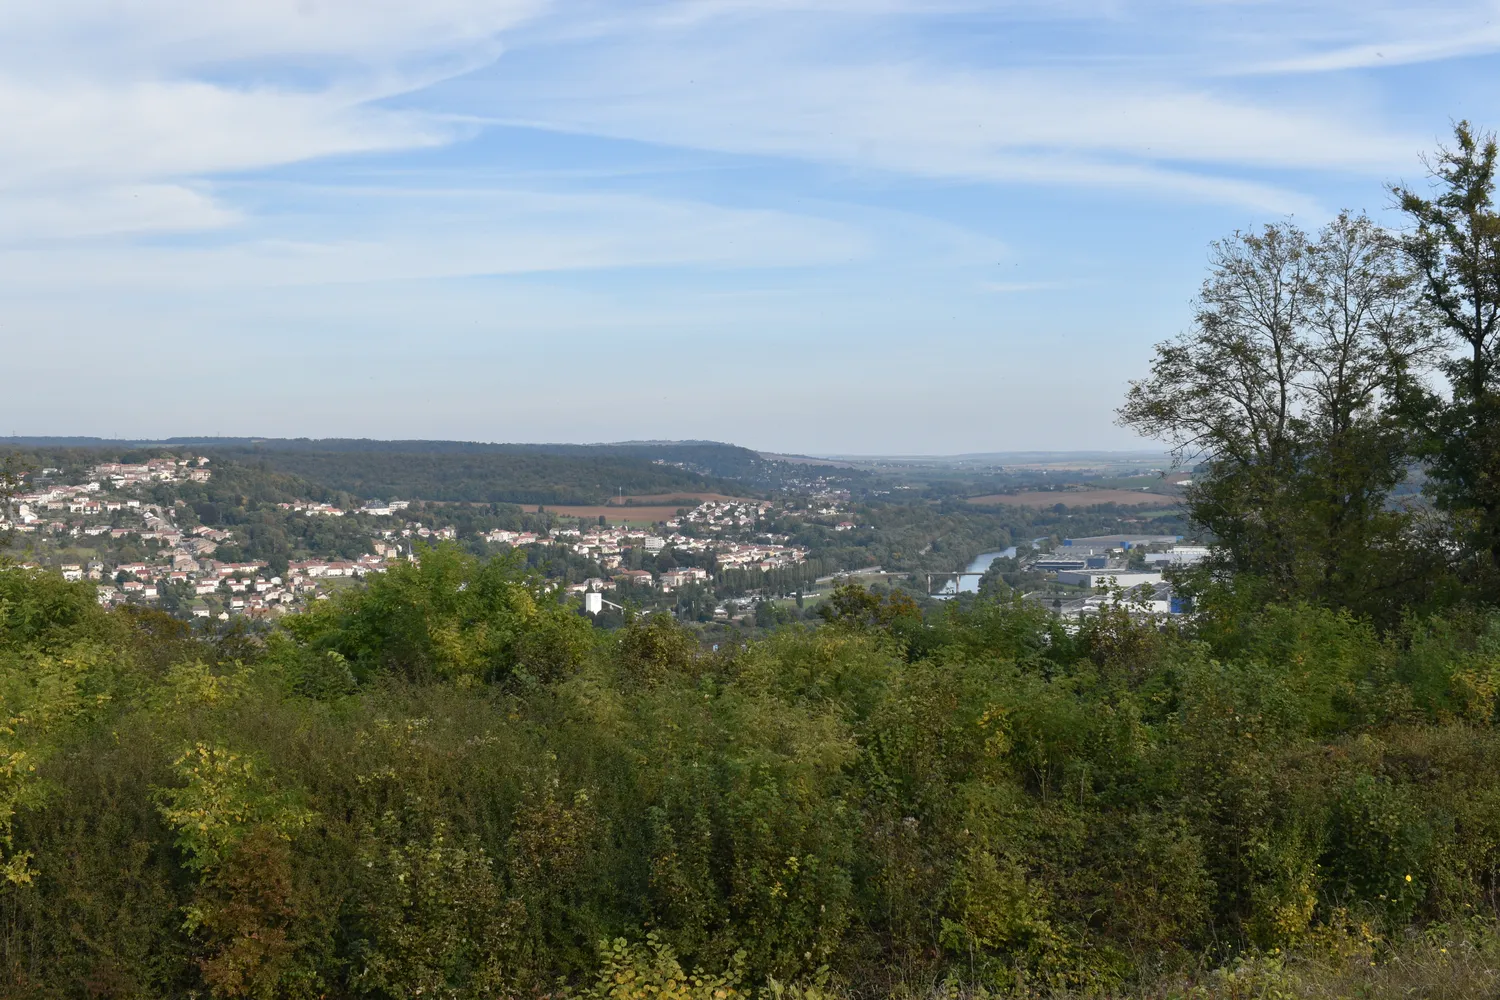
(814, 226)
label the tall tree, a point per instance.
(1287, 389)
(1367, 343)
(1226, 392)
(1454, 245)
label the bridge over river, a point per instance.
(966, 581)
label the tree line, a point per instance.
(481, 476)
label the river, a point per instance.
(970, 584)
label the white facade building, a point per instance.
(1092, 578)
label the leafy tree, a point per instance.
(1290, 390)
(449, 615)
(13, 471)
(1454, 245)
(852, 606)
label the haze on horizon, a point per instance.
(822, 227)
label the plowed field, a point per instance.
(1081, 498)
(632, 515)
(657, 499)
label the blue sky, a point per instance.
(822, 226)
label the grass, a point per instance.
(1444, 962)
(616, 515)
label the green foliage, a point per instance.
(225, 797)
(654, 647)
(477, 474)
(54, 671)
(1293, 393)
(444, 784)
(450, 615)
(13, 470)
(652, 972)
(40, 611)
(1452, 245)
(435, 921)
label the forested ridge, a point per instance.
(469, 471)
(481, 476)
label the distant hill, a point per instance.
(1007, 458)
(483, 477)
(711, 458)
(467, 470)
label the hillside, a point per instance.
(706, 457)
(450, 470)
(477, 476)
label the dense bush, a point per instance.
(447, 784)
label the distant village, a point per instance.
(120, 506)
(183, 563)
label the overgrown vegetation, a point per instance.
(447, 784)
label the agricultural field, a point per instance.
(1156, 484)
(1075, 498)
(667, 499)
(614, 513)
(639, 509)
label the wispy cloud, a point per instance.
(442, 234)
(1483, 41)
(120, 107)
(106, 102)
(175, 36)
(1376, 34)
(98, 211)
(799, 90)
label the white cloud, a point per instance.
(1031, 126)
(112, 106)
(1377, 34)
(155, 36)
(72, 149)
(833, 86)
(109, 211)
(101, 97)
(454, 233)
(131, 123)
(99, 133)
(1391, 53)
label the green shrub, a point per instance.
(443, 784)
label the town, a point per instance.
(218, 538)
(126, 527)
(178, 570)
